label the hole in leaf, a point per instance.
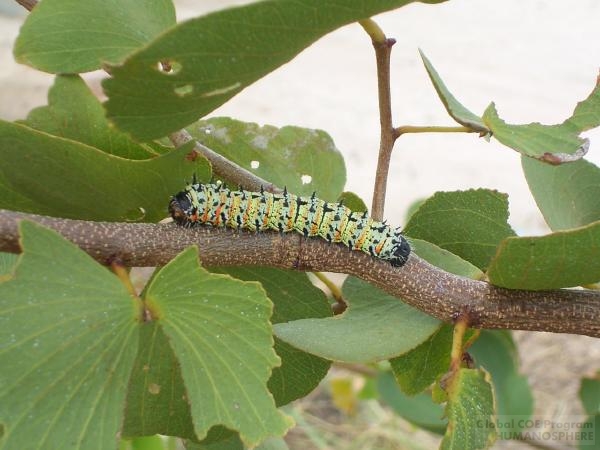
(184, 90)
(306, 179)
(255, 164)
(169, 67)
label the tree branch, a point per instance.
(433, 291)
(27, 4)
(383, 50)
(224, 167)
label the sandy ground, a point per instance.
(535, 59)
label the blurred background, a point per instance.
(534, 59)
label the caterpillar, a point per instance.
(219, 206)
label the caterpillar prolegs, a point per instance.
(219, 206)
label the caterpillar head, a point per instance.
(400, 253)
(181, 209)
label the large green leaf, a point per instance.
(561, 259)
(220, 333)
(387, 327)
(419, 410)
(157, 401)
(216, 56)
(294, 297)
(69, 336)
(470, 411)
(73, 112)
(302, 159)
(44, 174)
(456, 110)
(568, 195)
(469, 224)
(496, 352)
(71, 36)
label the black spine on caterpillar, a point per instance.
(219, 206)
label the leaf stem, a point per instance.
(456, 354)
(340, 304)
(123, 274)
(373, 30)
(405, 129)
(383, 50)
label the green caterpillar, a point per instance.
(218, 206)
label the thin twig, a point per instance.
(383, 49)
(223, 167)
(440, 294)
(27, 4)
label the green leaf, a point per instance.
(554, 144)
(589, 393)
(69, 335)
(589, 434)
(218, 438)
(157, 401)
(567, 195)
(44, 174)
(470, 411)
(387, 327)
(496, 352)
(302, 159)
(218, 55)
(469, 224)
(147, 443)
(294, 297)
(71, 36)
(416, 370)
(73, 112)
(445, 260)
(587, 112)
(455, 109)
(419, 410)
(219, 330)
(561, 259)
(353, 201)
(273, 444)
(7, 264)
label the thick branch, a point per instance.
(419, 284)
